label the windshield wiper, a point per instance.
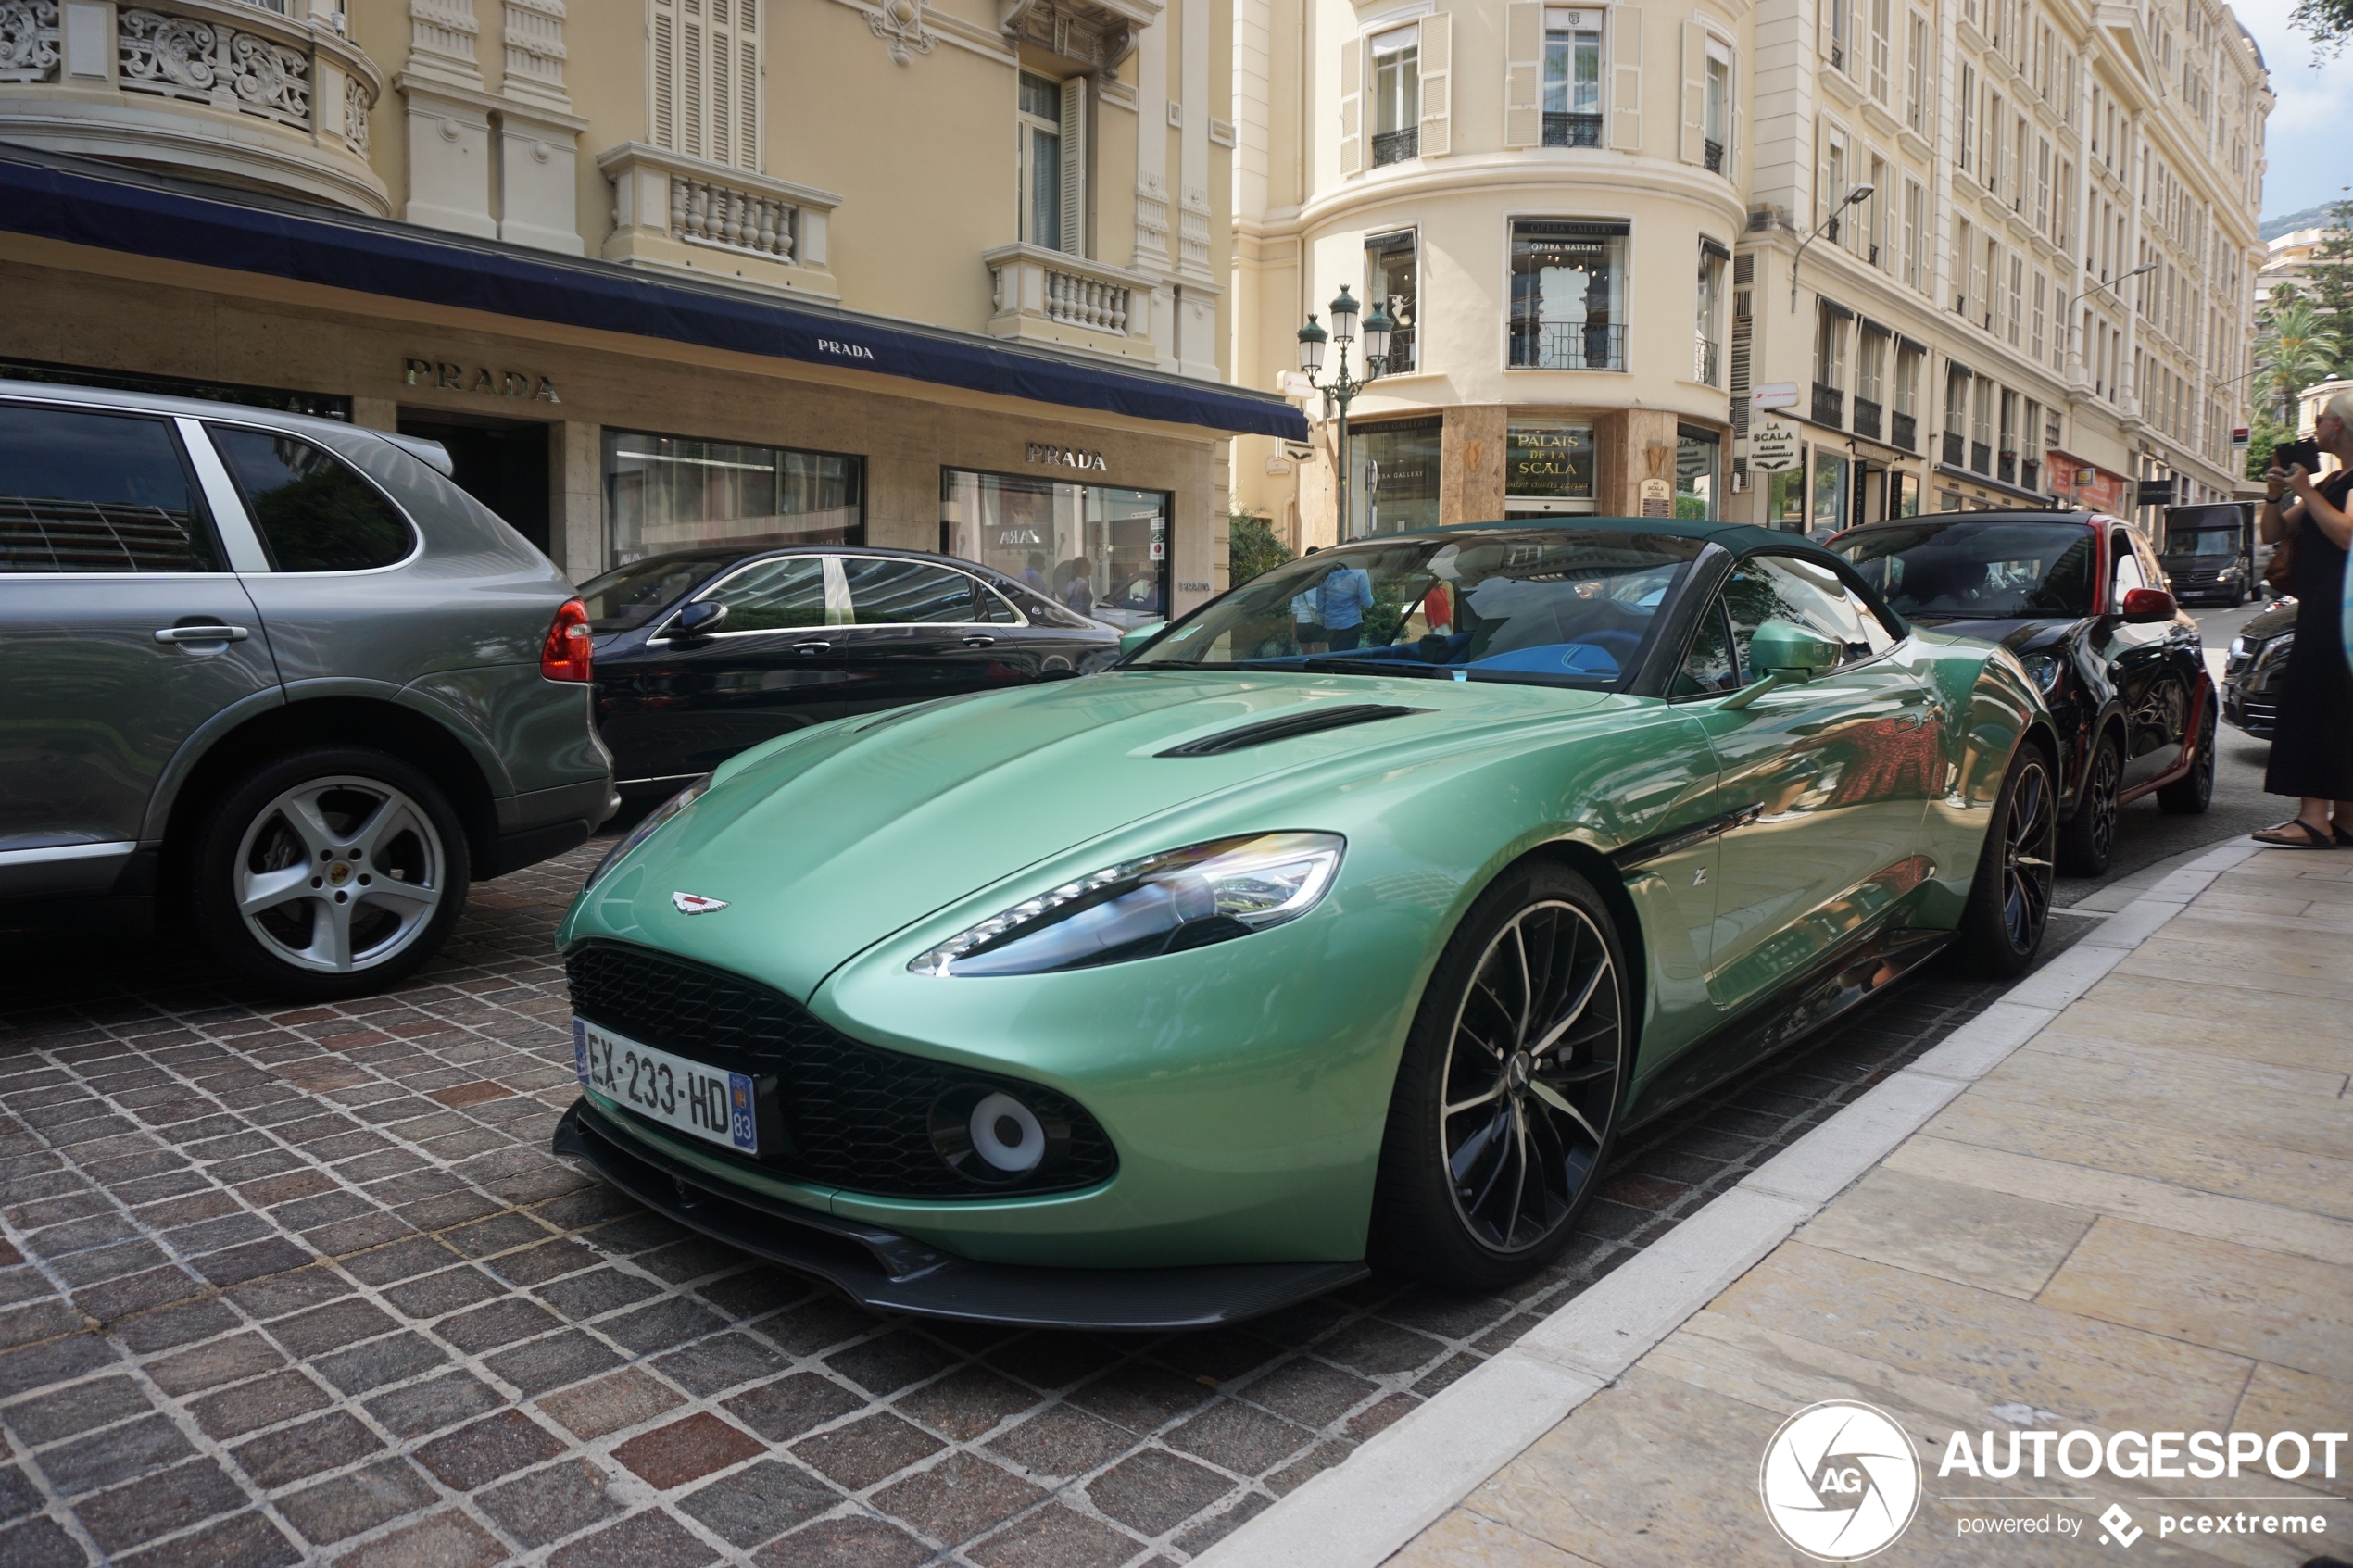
(1383, 666)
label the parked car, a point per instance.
(702, 653)
(280, 670)
(1172, 994)
(2210, 552)
(2254, 666)
(2075, 597)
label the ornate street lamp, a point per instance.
(1342, 390)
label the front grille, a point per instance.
(855, 1115)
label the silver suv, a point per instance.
(279, 672)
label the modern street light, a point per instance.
(1342, 390)
(1860, 192)
(2118, 282)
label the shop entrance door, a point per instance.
(501, 463)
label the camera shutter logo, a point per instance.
(1840, 1481)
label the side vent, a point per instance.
(1289, 726)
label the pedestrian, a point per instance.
(1306, 627)
(2311, 739)
(1078, 591)
(1341, 600)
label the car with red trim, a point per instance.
(2081, 600)
(277, 673)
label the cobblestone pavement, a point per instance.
(281, 1284)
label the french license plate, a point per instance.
(703, 1101)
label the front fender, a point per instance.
(1994, 710)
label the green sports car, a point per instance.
(1343, 924)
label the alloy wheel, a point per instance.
(1532, 1083)
(2100, 799)
(2026, 857)
(339, 873)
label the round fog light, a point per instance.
(1006, 1134)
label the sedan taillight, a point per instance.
(566, 655)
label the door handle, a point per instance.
(203, 635)
(812, 648)
(980, 642)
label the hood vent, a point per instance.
(1289, 726)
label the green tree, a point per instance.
(2297, 346)
(2328, 281)
(1250, 548)
(2329, 23)
(2263, 433)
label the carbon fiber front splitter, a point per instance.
(894, 1274)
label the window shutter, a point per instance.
(1733, 122)
(706, 80)
(665, 77)
(1523, 74)
(1352, 106)
(1437, 81)
(723, 84)
(1690, 147)
(1075, 95)
(690, 72)
(1625, 80)
(747, 72)
(1823, 194)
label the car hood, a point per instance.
(2022, 637)
(2280, 618)
(822, 842)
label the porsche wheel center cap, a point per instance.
(338, 874)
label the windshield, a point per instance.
(2203, 542)
(1978, 570)
(628, 596)
(1568, 606)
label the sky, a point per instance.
(2311, 160)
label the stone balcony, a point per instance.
(218, 87)
(682, 214)
(1051, 297)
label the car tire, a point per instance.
(2194, 791)
(2009, 901)
(1487, 1195)
(389, 873)
(2087, 839)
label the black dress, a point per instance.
(2311, 744)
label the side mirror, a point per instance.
(700, 619)
(2144, 605)
(1790, 651)
(1136, 637)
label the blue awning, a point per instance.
(84, 203)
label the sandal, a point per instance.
(2297, 833)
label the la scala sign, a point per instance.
(1772, 446)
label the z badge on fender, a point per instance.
(714, 1106)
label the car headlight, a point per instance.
(2228, 574)
(1166, 903)
(2238, 648)
(2044, 670)
(645, 830)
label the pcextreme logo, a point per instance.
(1840, 1481)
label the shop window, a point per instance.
(1548, 467)
(1051, 153)
(1831, 476)
(1573, 78)
(1568, 295)
(1392, 480)
(315, 514)
(1903, 495)
(1708, 348)
(1393, 280)
(1785, 499)
(1093, 548)
(706, 81)
(1397, 95)
(667, 493)
(1699, 458)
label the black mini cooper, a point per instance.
(2081, 599)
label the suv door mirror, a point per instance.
(1791, 652)
(700, 619)
(2142, 606)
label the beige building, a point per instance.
(1592, 220)
(936, 274)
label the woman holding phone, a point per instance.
(2312, 741)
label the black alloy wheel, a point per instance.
(1508, 1100)
(2194, 791)
(2088, 838)
(2010, 904)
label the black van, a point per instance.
(2210, 552)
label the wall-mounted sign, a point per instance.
(1772, 446)
(1775, 394)
(2238, 436)
(443, 376)
(1055, 456)
(1549, 461)
(1658, 497)
(1278, 465)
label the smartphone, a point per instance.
(2305, 454)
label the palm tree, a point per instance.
(2295, 348)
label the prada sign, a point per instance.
(1066, 458)
(443, 376)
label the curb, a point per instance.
(1398, 1483)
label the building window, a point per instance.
(1397, 95)
(1716, 107)
(1963, 248)
(1966, 142)
(1915, 70)
(1842, 225)
(1699, 465)
(1914, 221)
(1393, 477)
(1099, 550)
(1568, 295)
(1830, 477)
(1879, 45)
(667, 493)
(706, 82)
(1875, 214)
(1831, 323)
(1840, 15)
(1548, 467)
(1904, 419)
(2035, 332)
(2006, 466)
(1393, 280)
(1957, 381)
(2029, 460)
(1707, 355)
(1573, 78)
(1041, 161)
(1980, 427)
(1871, 376)
(2017, 310)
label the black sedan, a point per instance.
(2254, 667)
(702, 653)
(2078, 597)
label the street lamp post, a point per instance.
(2073, 305)
(1860, 192)
(1342, 390)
